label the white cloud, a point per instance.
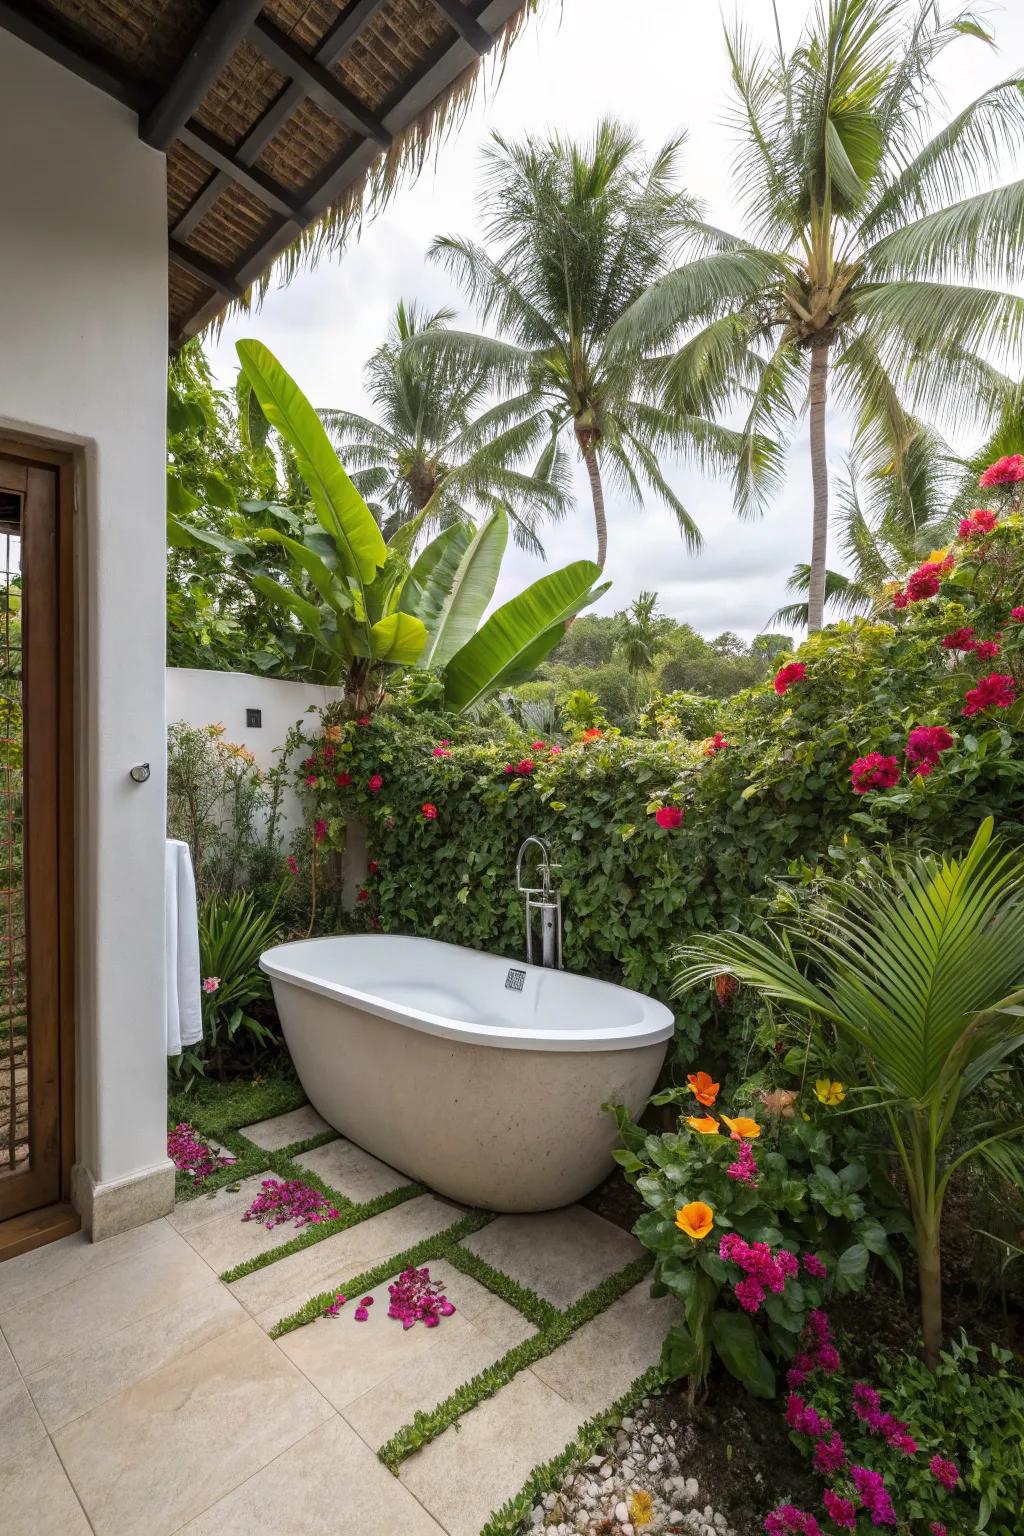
(660, 65)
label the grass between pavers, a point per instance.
(216, 1108)
(430, 1250)
(426, 1426)
(511, 1516)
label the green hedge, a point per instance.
(774, 804)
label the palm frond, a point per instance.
(980, 237)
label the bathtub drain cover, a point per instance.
(514, 980)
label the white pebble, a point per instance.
(627, 1424)
(621, 1513)
(675, 1517)
(692, 1488)
(721, 1521)
(709, 1514)
(627, 1529)
(538, 1514)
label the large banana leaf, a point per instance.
(455, 577)
(185, 536)
(308, 613)
(398, 638)
(519, 634)
(331, 589)
(339, 507)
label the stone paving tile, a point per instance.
(68, 1259)
(282, 1130)
(86, 1310)
(163, 1450)
(98, 1371)
(329, 1482)
(559, 1254)
(219, 1235)
(21, 1424)
(595, 1366)
(479, 1463)
(36, 1498)
(378, 1374)
(281, 1288)
(8, 1369)
(352, 1172)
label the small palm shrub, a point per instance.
(234, 931)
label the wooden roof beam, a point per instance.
(317, 82)
(478, 38)
(205, 271)
(66, 48)
(220, 155)
(210, 51)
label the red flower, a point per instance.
(924, 744)
(440, 752)
(875, 771)
(961, 639)
(1018, 614)
(925, 581)
(669, 816)
(311, 780)
(362, 894)
(986, 649)
(593, 733)
(900, 600)
(538, 746)
(996, 691)
(328, 753)
(320, 831)
(725, 988)
(293, 864)
(510, 767)
(375, 784)
(343, 780)
(526, 766)
(428, 811)
(363, 720)
(309, 762)
(978, 522)
(786, 676)
(1005, 471)
(716, 744)
(373, 867)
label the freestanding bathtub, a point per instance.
(480, 1077)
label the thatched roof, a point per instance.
(278, 118)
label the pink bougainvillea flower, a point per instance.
(320, 830)
(336, 1305)
(362, 894)
(924, 582)
(343, 780)
(211, 983)
(525, 766)
(945, 1472)
(997, 691)
(669, 816)
(750, 1294)
(900, 599)
(961, 639)
(978, 522)
(814, 1266)
(440, 752)
(328, 753)
(289, 1200)
(924, 744)
(874, 771)
(428, 811)
(937, 1528)
(830, 1455)
(786, 676)
(1018, 614)
(361, 1315)
(717, 744)
(293, 864)
(309, 762)
(363, 720)
(375, 784)
(986, 649)
(744, 1169)
(311, 781)
(842, 1512)
(538, 746)
(190, 1154)
(555, 750)
(788, 1520)
(1005, 471)
(874, 1495)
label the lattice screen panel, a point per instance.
(14, 1066)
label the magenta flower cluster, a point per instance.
(945, 1472)
(282, 1200)
(817, 1351)
(763, 1270)
(191, 1155)
(874, 1495)
(867, 1405)
(744, 1169)
(416, 1299)
(787, 1520)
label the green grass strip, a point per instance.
(438, 1248)
(534, 1308)
(511, 1517)
(427, 1426)
(215, 1108)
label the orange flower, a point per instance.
(703, 1089)
(695, 1219)
(592, 734)
(746, 1130)
(707, 1124)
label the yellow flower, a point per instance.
(938, 555)
(640, 1508)
(706, 1124)
(695, 1219)
(744, 1128)
(827, 1092)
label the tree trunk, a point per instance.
(819, 482)
(930, 1280)
(597, 491)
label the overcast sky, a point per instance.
(661, 66)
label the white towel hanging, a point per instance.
(181, 921)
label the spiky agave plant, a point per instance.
(918, 967)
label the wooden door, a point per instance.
(35, 1044)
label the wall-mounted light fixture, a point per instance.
(254, 719)
(140, 773)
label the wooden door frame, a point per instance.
(20, 1233)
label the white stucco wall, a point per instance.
(83, 333)
(211, 698)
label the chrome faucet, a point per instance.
(541, 898)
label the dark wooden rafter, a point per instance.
(211, 49)
(319, 84)
(465, 24)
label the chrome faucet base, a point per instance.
(541, 898)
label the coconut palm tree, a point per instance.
(438, 442)
(642, 628)
(869, 249)
(576, 233)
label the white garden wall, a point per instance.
(83, 331)
(223, 698)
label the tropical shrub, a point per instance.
(679, 714)
(233, 933)
(749, 1221)
(223, 805)
(918, 968)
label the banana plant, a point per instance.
(918, 967)
(359, 607)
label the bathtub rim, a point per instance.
(655, 1026)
